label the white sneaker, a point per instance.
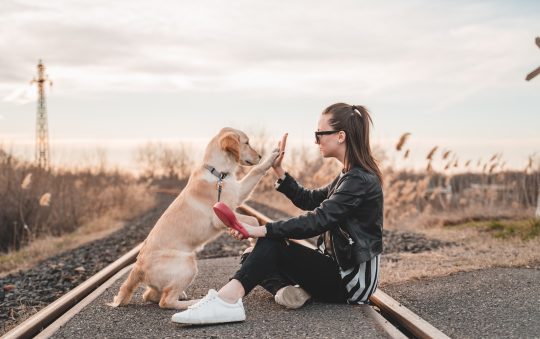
(292, 297)
(211, 310)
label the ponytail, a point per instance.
(354, 121)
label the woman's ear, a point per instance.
(230, 142)
(342, 136)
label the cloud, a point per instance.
(21, 95)
(438, 53)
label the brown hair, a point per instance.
(354, 121)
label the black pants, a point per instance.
(275, 263)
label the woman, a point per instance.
(347, 214)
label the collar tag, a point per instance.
(220, 176)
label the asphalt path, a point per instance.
(265, 319)
(489, 303)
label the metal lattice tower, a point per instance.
(42, 129)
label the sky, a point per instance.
(451, 73)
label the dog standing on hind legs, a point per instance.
(167, 262)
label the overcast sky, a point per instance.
(451, 73)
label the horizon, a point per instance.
(122, 153)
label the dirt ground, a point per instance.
(475, 249)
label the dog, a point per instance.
(166, 263)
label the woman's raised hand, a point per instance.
(277, 163)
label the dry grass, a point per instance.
(491, 209)
(46, 212)
(158, 160)
(38, 203)
(96, 228)
(476, 249)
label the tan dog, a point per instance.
(166, 263)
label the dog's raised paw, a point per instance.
(269, 160)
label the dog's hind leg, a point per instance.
(151, 294)
(169, 299)
(179, 282)
(126, 290)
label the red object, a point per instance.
(226, 215)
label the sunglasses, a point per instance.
(319, 133)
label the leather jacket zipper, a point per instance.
(334, 248)
(347, 236)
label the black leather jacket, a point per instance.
(349, 211)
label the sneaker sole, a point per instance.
(208, 322)
(293, 298)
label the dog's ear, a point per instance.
(230, 142)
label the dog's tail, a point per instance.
(128, 287)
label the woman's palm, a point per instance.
(282, 144)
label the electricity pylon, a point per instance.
(42, 129)
(536, 71)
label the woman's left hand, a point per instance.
(235, 234)
(253, 231)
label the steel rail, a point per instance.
(37, 322)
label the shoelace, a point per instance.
(202, 302)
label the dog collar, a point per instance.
(220, 176)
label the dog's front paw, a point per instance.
(267, 162)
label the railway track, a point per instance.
(396, 320)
